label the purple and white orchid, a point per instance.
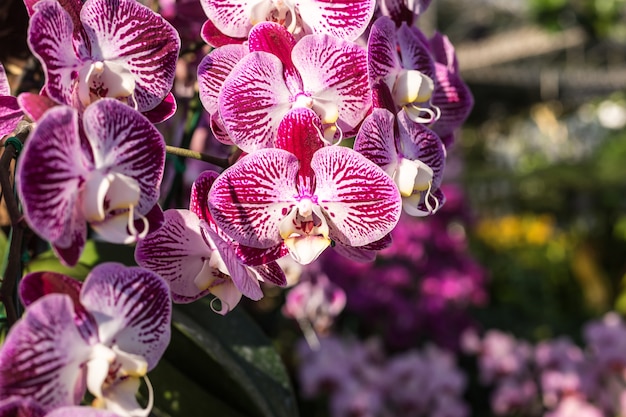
(343, 19)
(102, 336)
(319, 72)
(10, 113)
(103, 169)
(196, 258)
(422, 75)
(412, 155)
(306, 195)
(115, 48)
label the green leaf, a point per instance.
(95, 252)
(232, 358)
(177, 395)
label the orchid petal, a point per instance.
(39, 284)
(10, 115)
(376, 142)
(382, 56)
(260, 256)
(275, 39)
(421, 143)
(253, 101)
(177, 252)
(199, 196)
(271, 272)
(78, 411)
(5, 89)
(35, 105)
(336, 72)
(214, 69)
(20, 407)
(50, 170)
(415, 51)
(131, 307)
(231, 17)
(243, 278)
(299, 133)
(443, 52)
(129, 34)
(212, 36)
(453, 98)
(43, 354)
(163, 111)
(50, 37)
(344, 19)
(250, 198)
(360, 200)
(125, 142)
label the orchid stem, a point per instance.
(13, 269)
(186, 153)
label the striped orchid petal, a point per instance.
(376, 140)
(199, 204)
(233, 18)
(36, 285)
(403, 10)
(275, 39)
(51, 38)
(214, 69)
(272, 273)
(343, 19)
(5, 89)
(335, 72)
(125, 142)
(42, 355)
(132, 309)
(243, 277)
(253, 101)
(382, 57)
(177, 252)
(251, 198)
(81, 412)
(415, 51)
(51, 169)
(10, 112)
(421, 143)
(360, 201)
(213, 37)
(453, 98)
(20, 407)
(133, 37)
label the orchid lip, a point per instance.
(105, 79)
(279, 11)
(305, 231)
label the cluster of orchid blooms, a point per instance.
(286, 83)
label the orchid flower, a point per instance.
(107, 48)
(428, 90)
(102, 337)
(10, 112)
(403, 10)
(345, 19)
(319, 72)
(196, 258)
(105, 173)
(413, 155)
(304, 195)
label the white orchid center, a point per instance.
(412, 90)
(305, 231)
(279, 11)
(108, 203)
(105, 79)
(412, 176)
(107, 367)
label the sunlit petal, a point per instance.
(250, 198)
(131, 307)
(361, 201)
